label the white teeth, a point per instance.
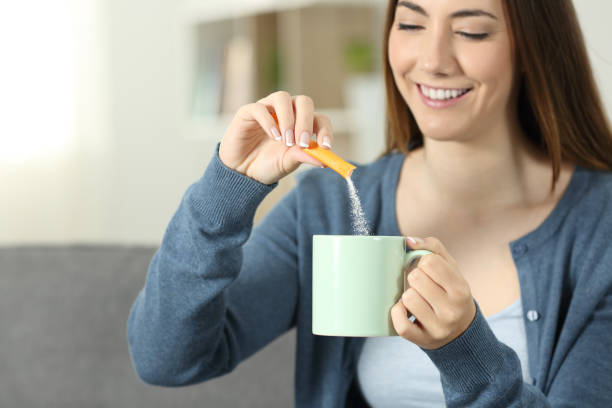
(441, 94)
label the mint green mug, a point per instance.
(356, 279)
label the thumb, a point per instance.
(295, 156)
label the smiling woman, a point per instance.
(498, 153)
(442, 57)
(516, 48)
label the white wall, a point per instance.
(594, 18)
(153, 161)
(121, 176)
(125, 161)
(53, 121)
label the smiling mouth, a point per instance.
(442, 94)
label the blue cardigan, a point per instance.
(218, 290)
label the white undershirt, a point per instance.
(393, 372)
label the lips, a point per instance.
(441, 94)
(441, 97)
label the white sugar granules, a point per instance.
(358, 219)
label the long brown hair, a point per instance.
(559, 105)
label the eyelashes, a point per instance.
(471, 36)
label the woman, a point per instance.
(498, 151)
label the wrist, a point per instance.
(472, 359)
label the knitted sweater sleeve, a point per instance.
(217, 290)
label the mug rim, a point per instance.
(334, 236)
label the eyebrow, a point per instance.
(457, 14)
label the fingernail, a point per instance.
(289, 137)
(415, 240)
(275, 133)
(304, 139)
(326, 142)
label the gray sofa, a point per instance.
(63, 343)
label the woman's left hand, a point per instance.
(439, 298)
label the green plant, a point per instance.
(358, 56)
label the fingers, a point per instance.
(282, 109)
(442, 268)
(324, 131)
(296, 121)
(427, 288)
(417, 305)
(260, 113)
(304, 109)
(437, 269)
(404, 326)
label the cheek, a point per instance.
(401, 56)
(393, 51)
(401, 61)
(493, 68)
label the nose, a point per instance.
(437, 57)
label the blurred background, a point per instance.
(109, 110)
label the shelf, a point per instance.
(243, 51)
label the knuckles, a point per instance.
(304, 100)
(408, 297)
(281, 94)
(414, 276)
(429, 261)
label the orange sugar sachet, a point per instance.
(327, 157)
(330, 159)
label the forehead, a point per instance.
(448, 7)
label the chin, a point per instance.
(442, 135)
(441, 130)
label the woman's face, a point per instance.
(453, 63)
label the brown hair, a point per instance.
(559, 105)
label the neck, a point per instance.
(480, 174)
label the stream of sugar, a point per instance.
(358, 219)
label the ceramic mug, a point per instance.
(356, 279)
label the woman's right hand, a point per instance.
(251, 144)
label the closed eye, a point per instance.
(401, 26)
(471, 36)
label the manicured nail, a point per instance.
(289, 137)
(415, 240)
(275, 133)
(305, 139)
(326, 142)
